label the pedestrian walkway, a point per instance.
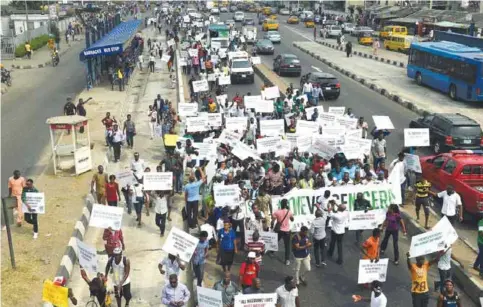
(390, 81)
(143, 244)
(42, 57)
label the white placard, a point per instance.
(187, 109)
(264, 106)
(284, 148)
(180, 243)
(351, 151)
(210, 171)
(36, 201)
(106, 216)
(427, 243)
(332, 140)
(197, 124)
(413, 163)
(236, 123)
(382, 122)
(267, 144)
(311, 110)
(200, 86)
(182, 62)
(370, 271)
(258, 300)
(171, 42)
(158, 181)
(339, 111)
(242, 151)
(304, 142)
(272, 92)
(269, 238)
(229, 137)
(221, 100)
(193, 52)
(215, 119)
(125, 177)
(272, 127)
(206, 150)
(333, 131)
(323, 149)
(416, 137)
(224, 80)
(355, 133)
(186, 18)
(199, 36)
(209, 297)
(447, 229)
(251, 100)
(212, 77)
(226, 195)
(306, 127)
(347, 122)
(364, 144)
(298, 166)
(360, 220)
(256, 60)
(87, 256)
(326, 119)
(165, 58)
(83, 160)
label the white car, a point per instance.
(334, 31)
(224, 9)
(215, 11)
(241, 70)
(273, 36)
(358, 30)
(239, 16)
(284, 12)
(348, 27)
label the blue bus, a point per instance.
(449, 67)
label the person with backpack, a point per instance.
(121, 268)
(97, 287)
(249, 270)
(300, 249)
(449, 297)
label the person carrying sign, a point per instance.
(97, 287)
(121, 269)
(370, 248)
(377, 297)
(30, 216)
(361, 204)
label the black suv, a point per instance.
(450, 131)
(328, 83)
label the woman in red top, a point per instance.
(248, 271)
(113, 239)
(112, 191)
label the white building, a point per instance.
(35, 21)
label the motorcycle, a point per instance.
(6, 77)
(55, 60)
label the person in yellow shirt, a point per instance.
(28, 50)
(120, 79)
(211, 106)
(419, 279)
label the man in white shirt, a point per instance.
(140, 62)
(399, 165)
(116, 139)
(307, 88)
(451, 200)
(172, 265)
(377, 299)
(288, 294)
(138, 166)
(339, 221)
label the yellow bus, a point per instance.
(400, 43)
(393, 30)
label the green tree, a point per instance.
(31, 5)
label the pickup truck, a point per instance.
(250, 34)
(463, 169)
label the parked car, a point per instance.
(284, 12)
(223, 9)
(239, 16)
(233, 8)
(264, 46)
(449, 131)
(461, 169)
(293, 20)
(248, 22)
(358, 30)
(334, 31)
(273, 36)
(287, 64)
(215, 11)
(329, 84)
(331, 23)
(348, 27)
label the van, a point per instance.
(400, 43)
(393, 30)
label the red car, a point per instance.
(463, 169)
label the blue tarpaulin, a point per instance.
(112, 42)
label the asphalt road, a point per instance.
(334, 285)
(36, 95)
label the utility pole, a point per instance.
(27, 20)
(481, 6)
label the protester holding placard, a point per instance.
(30, 216)
(339, 219)
(113, 239)
(392, 224)
(121, 269)
(419, 278)
(249, 270)
(377, 299)
(370, 247)
(192, 198)
(172, 265)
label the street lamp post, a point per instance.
(27, 20)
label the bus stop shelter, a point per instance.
(71, 143)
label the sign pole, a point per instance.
(9, 233)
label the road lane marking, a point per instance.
(316, 68)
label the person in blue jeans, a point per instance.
(479, 259)
(192, 198)
(199, 257)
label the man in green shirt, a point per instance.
(228, 289)
(278, 104)
(479, 259)
(30, 214)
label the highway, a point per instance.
(334, 285)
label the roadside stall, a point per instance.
(71, 144)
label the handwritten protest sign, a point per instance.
(416, 137)
(165, 58)
(222, 99)
(206, 150)
(87, 256)
(36, 201)
(347, 122)
(274, 127)
(256, 60)
(269, 238)
(449, 233)
(125, 177)
(243, 151)
(370, 271)
(267, 144)
(226, 195)
(188, 109)
(56, 295)
(209, 297)
(215, 119)
(336, 111)
(250, 101)
(236, 123)
(224, 80)
(427, 243)
(323, 149)
(413, 163)
(159, 181)
(326, 119)
(106, 216)
(284, 148)
(196, 124)
(200, 86)
(306, 127)
(180, 243)
(258, 300)
(360, 220)
(382, 122)
(364, 144)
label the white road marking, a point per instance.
(317, 69)
(299, 33)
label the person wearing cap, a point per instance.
(449, 297)
(175, 294)
(121, 269)
(69, 107)
(249, 270)
(377, 299)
